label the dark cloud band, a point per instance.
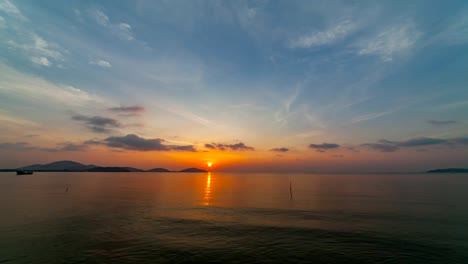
(280, 149)
(239, 146)
(98, 124)
(384, 145)
(134, 142)
(128, 109)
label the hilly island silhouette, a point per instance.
(73, 166)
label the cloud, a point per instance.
(454, 105)
(384, 145)
(390, 42)
(284, 112)
(329, 36)
(121, 30)
(73, 147)
(42, 61)
(236, 147)
(16, 146)
(251, 12)
(370, 116)
(101, 18)
(98, 124)
(423, 141)
(210, 146)
(134, 142)
(324, 146)
(124, 31)
(456, 33)
(280, 149)
(136, 109)
(37, 92)
(338, 156)
(8, 8)
(62, 147)
(187, 115)
(442, 122)
(40, 50)
(92, 142)
(22, 146)
(101, 63)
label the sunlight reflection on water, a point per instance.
(207, 195)
(233, 218)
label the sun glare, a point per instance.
(209, 164)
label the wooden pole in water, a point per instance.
(290, 190)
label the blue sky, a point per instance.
(269, 74)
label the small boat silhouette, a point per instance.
(20, 172)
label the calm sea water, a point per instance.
(233, 218)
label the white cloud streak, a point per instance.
(40, 50)
(282, 115)
(329, 36)
(456, 33)
(390, 42)
(8, 8)
(36, 90)
(42, 61)
(101, 63)
(121, 30)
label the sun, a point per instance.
(209, 164)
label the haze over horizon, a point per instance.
(333, 86)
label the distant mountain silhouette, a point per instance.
(64, 165)
(449, 170)
(72, 166)
(159, 170)
(193, 170)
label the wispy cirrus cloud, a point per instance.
(318, 38)
(40, 51)
(121, 30)
(9, 8)
(284, 112)
(442, 122)
(238, 146)
(390, 42)
(456, 32)
(369, 116)
(33, 90)
(25, 41)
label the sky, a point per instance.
(300, 86)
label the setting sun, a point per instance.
(209, 164)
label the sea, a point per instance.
(65, 217)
